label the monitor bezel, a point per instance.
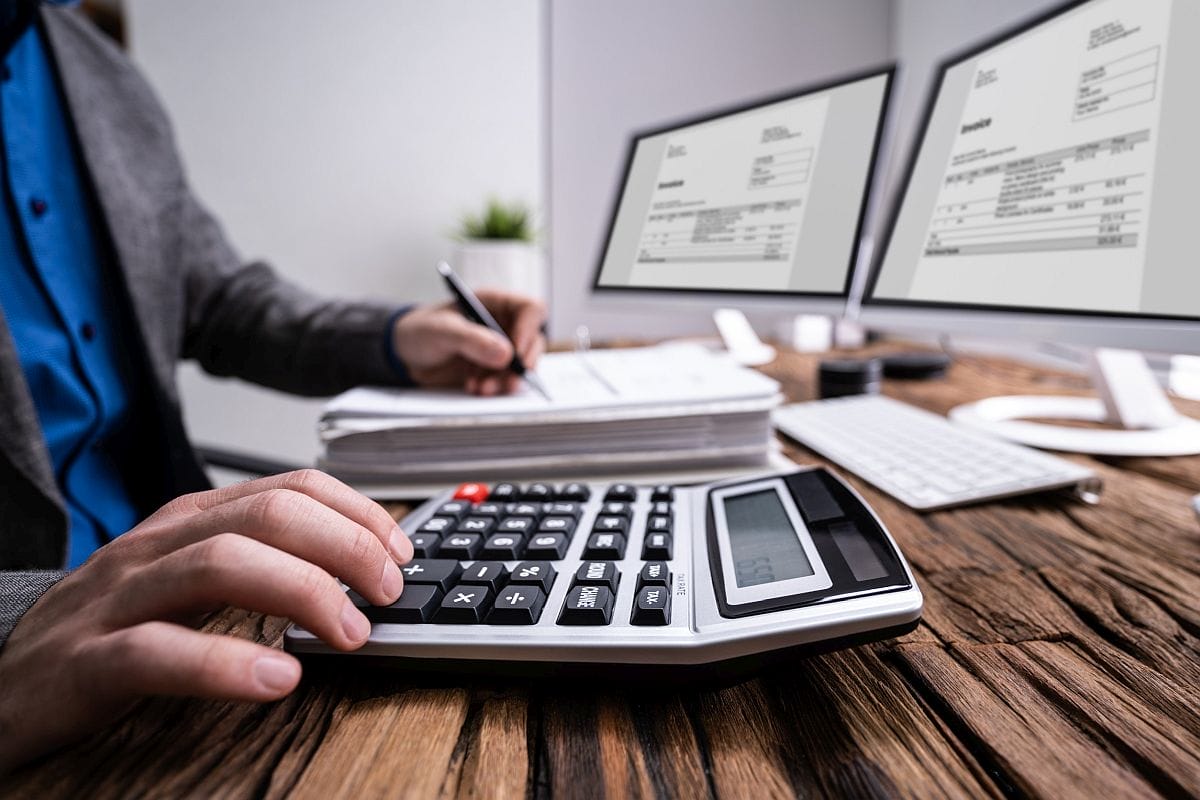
(1035, 316)
(886, 70)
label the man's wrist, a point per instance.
(403, 376)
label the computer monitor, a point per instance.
(1051, 196)
(762, 201)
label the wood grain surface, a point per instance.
(1059, 656)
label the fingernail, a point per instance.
(276, 674)
(354, 623)
(401, 547)
(392, 581)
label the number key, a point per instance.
(564, 525)
(503, 546)
(479, 525)
(463, 546)
(551, 546)
(437, 525)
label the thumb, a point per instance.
(480, 345)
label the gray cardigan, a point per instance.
(189, 296)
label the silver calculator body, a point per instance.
(698, 576)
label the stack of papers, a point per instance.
(670, 406)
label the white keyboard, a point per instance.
(922, 459)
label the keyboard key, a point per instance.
(488, 510)
(533, 573)
(617, 510)
(561, 509)
(661, 508)
(464, 604)
(437, 525)
(610, 547)
(463, 546)
(480, 525)
(416, 605)
(577, 492)
(503, 547)
(662, 493)
(504, 493)
(587, 605)
(658, 524)
(657, 547)
(550, 546)
(457, 509)
(425, 545)
(652, 606)
(440, 572)
(598, 573)
(621, 492)
(534, 510)
(563, 525)
(654, 573)
(471, 492)
(517, 525)
(610, 525)
(517, 605)
(491, 574)
(605, 546)
(538, 493)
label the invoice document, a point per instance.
(1054, 151)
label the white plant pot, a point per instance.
(515, 266)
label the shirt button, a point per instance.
(88, 331)
(38, 206)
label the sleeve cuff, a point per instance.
(403, 377)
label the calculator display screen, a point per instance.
(763, 541)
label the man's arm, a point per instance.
(18, 591)
(244, 320)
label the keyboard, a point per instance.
(922, 459)
(618, 579)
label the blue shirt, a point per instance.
(62, 306)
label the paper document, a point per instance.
(1054, 152)
(597, 379)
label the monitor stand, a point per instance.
(1129, 397)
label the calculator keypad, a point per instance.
(460, 573)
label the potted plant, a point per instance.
(496, 248)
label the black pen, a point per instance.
(475, 311)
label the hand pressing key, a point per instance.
(122, 625)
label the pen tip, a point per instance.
(444, 268)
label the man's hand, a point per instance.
(121, 625)
(441, 347)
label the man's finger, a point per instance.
(166, 659)
(323, 488)
(478, 344)
(297, 524)
(232, 570)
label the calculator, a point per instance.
(619, 578)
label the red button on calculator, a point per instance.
(473, 492)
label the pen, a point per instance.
(475, 311)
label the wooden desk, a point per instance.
(1059, 656)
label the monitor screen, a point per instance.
(1056, 171)
(765, 199)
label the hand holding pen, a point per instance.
(440, 345)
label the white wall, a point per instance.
(624, 65)
(341, 142)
